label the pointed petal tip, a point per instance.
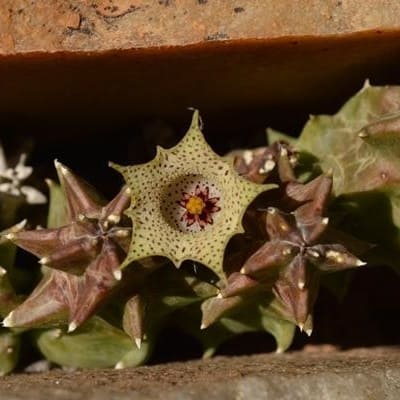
(122, 233)
(117, 274)
(283, 152)
(119, 365)
(61, 167)
(114, 218)
(203, 326)
(360, 263)
(363, 134)
(309, 332)
(72, 326)
(138, 342)
(301, 326)
(8, 320)
(44, 261)
(243, 271)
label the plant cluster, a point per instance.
(217, 245)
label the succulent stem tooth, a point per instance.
(335, 256)
(119, 365)
(203, 326)
(284, 227)
(329, 173)
(8, 321)
(113, 218)
(287, 251)
(138, 342)
(301, 285)
(94, 242)
(82, 217)
(279, 350)
(220, 296)
(268, 166)
(243, 270)
(313, 253)
(44, 260)
(271, 210)
(248, 157)
(63, 170)
(72, 326)
(49, 182)
(10, 350)
(309, 332)
(122, 233)
(284, 152)
(301, 326)
(10, 236)
(128, 191)
(106, 224)
(360, 263)
(56, 334)
(3, 271)
(325, 221)
(363, 134)
(117, 274)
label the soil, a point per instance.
(318, 372)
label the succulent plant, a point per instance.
(199, 241)
(186, 203)
(298, 248)
(359, 146)
(93, 242)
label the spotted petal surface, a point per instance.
(186, 203)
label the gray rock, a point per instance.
(320, 375)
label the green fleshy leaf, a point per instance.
(360, 146)
(9, 351)
(357, 166)
(281, 329)
(276, 136)
(258, 314)
(57, 215)
(96, 344)
(187, 203)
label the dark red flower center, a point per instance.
(199, 207)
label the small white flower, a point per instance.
(11, 179)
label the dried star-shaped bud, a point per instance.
(94, 241)
(186, 203)
(259, 164)
(11, 180)
(290, 260)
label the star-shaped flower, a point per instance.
(93, 242)
(186, 203)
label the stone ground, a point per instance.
(318, 373)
